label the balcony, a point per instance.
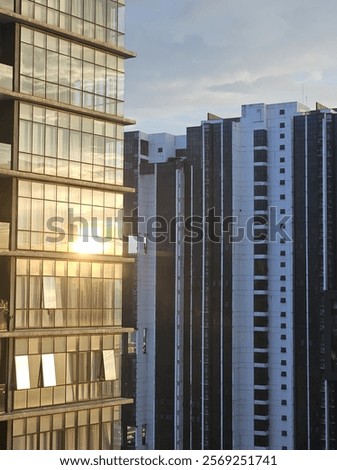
(6, 76)
(5, 155)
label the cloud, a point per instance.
(195, 56)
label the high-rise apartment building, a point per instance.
(259, 303)
(61, 202)
(154, 167)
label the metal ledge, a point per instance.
(45, 410)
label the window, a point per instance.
(160, 149)
(144, 341)
(282, 197)
(282, 160)
(283, 337)
(260, 190)
(260, 249)
(144, 147)
(283, 278)
(66, 145)
(282, 253)
(282, 111)
(283, 363)
(260, 173)
(283, 402)
(22, 372)
(282, 136)
(260, 156)
(282, 182)
(260, 339)
(260, 267)
(261, 410)
(282, 125)
(283, 300)
(144, 437)
(284, 433)
(49, 293)
(283, 289)
(261, 358)
(283, 350)
(283, 326)
(282, 211)
(48, 370)
(260, 205)
(57, 73)
(260, 303)
(260, 138)
(261, 395)
(4, 235)
(261, 441)
(283, 374)
(109, 364)
(261, 376)
(261, 322)
(282, 147)
(283, 387)
(261, 285)
(282, 170)
(283, 314)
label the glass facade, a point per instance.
(61, 212)
(66, 369)
(82, 294)
(68, 219)
(55, 143)
(75, 430)
(61, 70)
(100, 19)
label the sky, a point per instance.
(200, 56)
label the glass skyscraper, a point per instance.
(61, 203)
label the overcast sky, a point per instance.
(199, 56)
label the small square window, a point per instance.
(283, 337)
(282, 182)
(160, 149)
(282, 197)
(283, 278)
(284, 448)
(284, 433)
(283, 387)
(282, 111)
(282, 211)
(283, 300)
(283, 362)
(282, 125)
(283, 350)
(283, 374)
(282, 159)
(284, 418)
(283, 326)
(282, 170)
(283, 289)
(282, 147)
(282, 136)
(283, 314)
(282, 240)
(282, 264)
(283, 402)
(282, 253)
